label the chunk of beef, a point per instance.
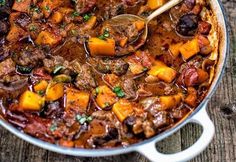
(13, 86)
(103, 115)
(148, 128)
(4, 27)
(129, 87)
(190, 3)
(6, 67)
(162, 119)
(83, 6)
(53, 110)
(23, 20)
(30, 57)
(85, 79)
(187, 25)
(120, 67)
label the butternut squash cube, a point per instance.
(105, 96)
(122, 109)
(189, 49)
(41, 86)
(22, 5)
(99, 47)
(76, 99)
(139, 25)
(31, 101)
(54, 91)
(47, 38)
(163, 72)
(174, 49)
(169, 102)
(154, 4)
(91, 22)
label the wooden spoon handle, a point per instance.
(163, 8)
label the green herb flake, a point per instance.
(32, 28)
(87, 17)
(47, 8)
(105, 34)
(89, 119)
(75, 14)
(2, 2)
(41, 93)
(107, 104)
(145, 69)
(53, 127)
(119, 92)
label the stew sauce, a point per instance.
(67, 78)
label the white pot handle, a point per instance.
(149, 150)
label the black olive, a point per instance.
(187, 25)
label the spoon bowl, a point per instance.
(124, 18)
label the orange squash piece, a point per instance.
(174, 49)
(31, 101)
(41, 86)
(47, 38)
(54, 91)
(122, 109)
(105, 97)
(22, 5)
(77, 99)
(168, 102)
(189, 49)
(99, 47)
(154, 4)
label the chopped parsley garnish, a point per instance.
(47, 8)
(107, 104)
(97, 90)
(73, 32)
(87, 17)
(145, 69)
(2, 2)
(53, 127)
(105, 34)
(32, 28)
(41, 93)
(119, 92)
(75, 14)
(83, 118)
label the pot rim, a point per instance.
(130, 148)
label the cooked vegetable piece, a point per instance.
(163, 72)
(77, 99)
(54, 91)
(202, 76)
(154, 4)
(191, 98)
(47, 38)
(21, 5)
(41, 86)
(48, 6)
(169, 102)
(104, 96)
(122, 109)
(56, 17)
(174, 49)
(62, 78)
(31, 101)
(139, 25)
(135, 67)
(190, 49)
(123, 41)
(99, 47)
(16, 33)
(91, 22)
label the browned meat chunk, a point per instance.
(83, 6)
(4, 27)
(162, 119)
(85, 79)
(129, 86)
(7, 67)
(149, 131)
(30, 57)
